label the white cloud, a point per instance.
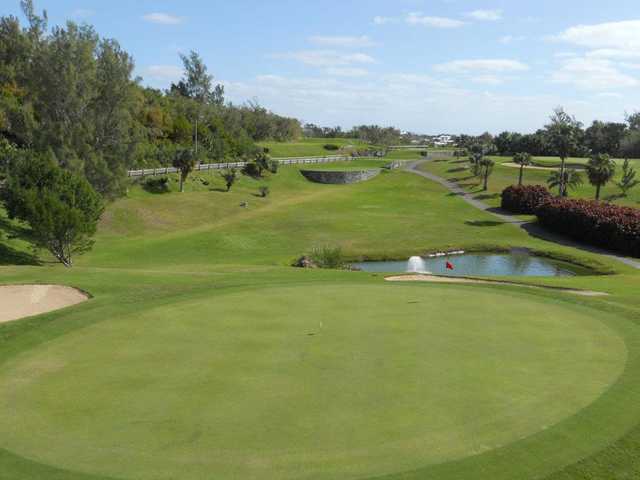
(326, 58)
(378, 20)
(623, 35)
(162, 74)
(346, 72)
(486, 15)
(163, 18)
(414, 102)
(342, 41)
(593, 74)
(612, 53)
(486, 65)
(488, 80)
(417, 18)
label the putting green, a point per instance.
(317, 382)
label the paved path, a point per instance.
(532, 228)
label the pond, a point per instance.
(522, 264)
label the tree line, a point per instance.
(73, 120)
(69, 94)
(373, 134)
(619, 140)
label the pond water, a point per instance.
(479, 264)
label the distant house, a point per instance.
(443, 141)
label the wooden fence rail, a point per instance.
(220, 166)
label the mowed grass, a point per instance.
(203, 354)
(312, 147)
(504, 175)
(304, 382)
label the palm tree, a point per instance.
(475, 157)
(570, 179)
(486, 168)
(600, 171)
(524, 160)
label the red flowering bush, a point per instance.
(601, 224)
(524, 199)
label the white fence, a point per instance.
(220, 166)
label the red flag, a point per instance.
(449, 266)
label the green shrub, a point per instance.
(331, 147)
(328, 257)
(156, 185)
(252, 170)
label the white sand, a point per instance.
(19, 301)
(439, 279)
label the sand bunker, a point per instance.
(19, 301)
(439, 279)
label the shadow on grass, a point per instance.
(10, 255)
(456, 170)
(483, 223)
(536, 230)
(487, 196)
(218, 189)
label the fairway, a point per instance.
(203, 353)
(305, 382)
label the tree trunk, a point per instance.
(598, 192)
(486, 180)
(521, 173)
(563, 186)
(181, 182)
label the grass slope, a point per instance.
(312, 147)
(203, 353)
(503, 176)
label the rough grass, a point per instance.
(203, 354)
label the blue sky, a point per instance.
(426, 66)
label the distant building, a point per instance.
(443, 141)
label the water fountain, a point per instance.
(416, 265)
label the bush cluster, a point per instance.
(601, 224)
(524, 199)
(156, 185)
(328, 257)
(331, 146)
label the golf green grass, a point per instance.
(203, 354)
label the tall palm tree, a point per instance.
(600, 171)
(486, 169)
(569, 179)
(524, 160)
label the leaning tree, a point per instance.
(61, 207)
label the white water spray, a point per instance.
(416, 265)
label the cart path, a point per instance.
(532, 228)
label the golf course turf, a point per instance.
(203, 354)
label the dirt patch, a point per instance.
(439, 279)
(20, 301)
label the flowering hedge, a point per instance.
(524, 199)
(602, 224)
